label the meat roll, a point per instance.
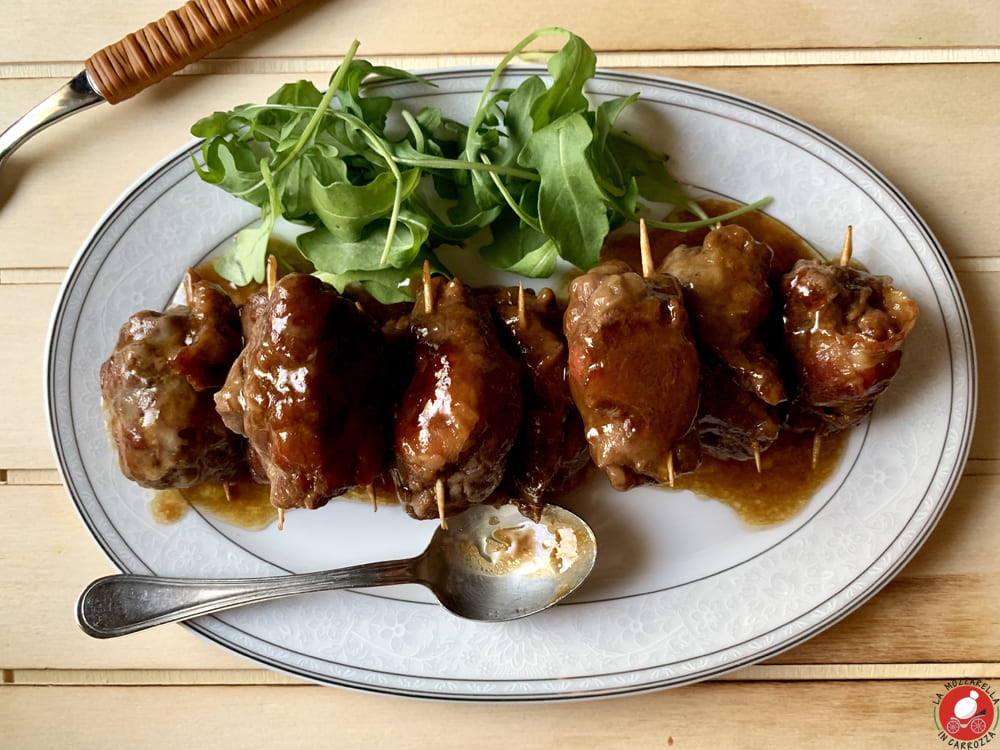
(308, 393)
(158, 387)
(727, 294)
(732, 422)
(551, 447)
(633, 373)
(459, 417)
(844, 331)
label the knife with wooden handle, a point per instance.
(149, 55)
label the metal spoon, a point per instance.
(491, 563)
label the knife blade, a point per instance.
(121, 70)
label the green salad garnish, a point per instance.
(537, 174)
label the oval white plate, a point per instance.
(682, 590)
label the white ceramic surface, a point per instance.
(682, 590)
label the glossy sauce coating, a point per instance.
(158, 385)
(243, 503)
(307, 392)
(727, 295)
(728, 472)
(551, 448)
(732, 422)
(633, 372)
(459, 417)
(788, 480)
(787, 246)
(785, 485)
(844, 331)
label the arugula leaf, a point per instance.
(571, 207)
(648, 167)
(372, 109)
(519, 122)
(602, 157)
(301, 93)
(247, 260)
(519, 249)
(387, 285)
(464, 219)
(571, 68)
(346, 209)
(321, 163)
(334, 254)
(235, 168)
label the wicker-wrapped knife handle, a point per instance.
(181, 37)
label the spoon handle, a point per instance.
(121, 604)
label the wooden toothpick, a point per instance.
(645, 252)
(272, 274)
(439, 491)
(522, 317)
(428, 290)
(845, 254)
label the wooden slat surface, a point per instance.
(910, 86)
(747, 715)
(62, 30)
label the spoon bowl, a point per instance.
(489, 563)
(494, 564)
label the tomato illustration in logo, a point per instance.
(965, 713)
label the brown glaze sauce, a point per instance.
(781, 490)
(384, 490)
(286, 251)
(247, 504)
(168, 506)
(787, 479)
(788, 247)
(244, 504)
